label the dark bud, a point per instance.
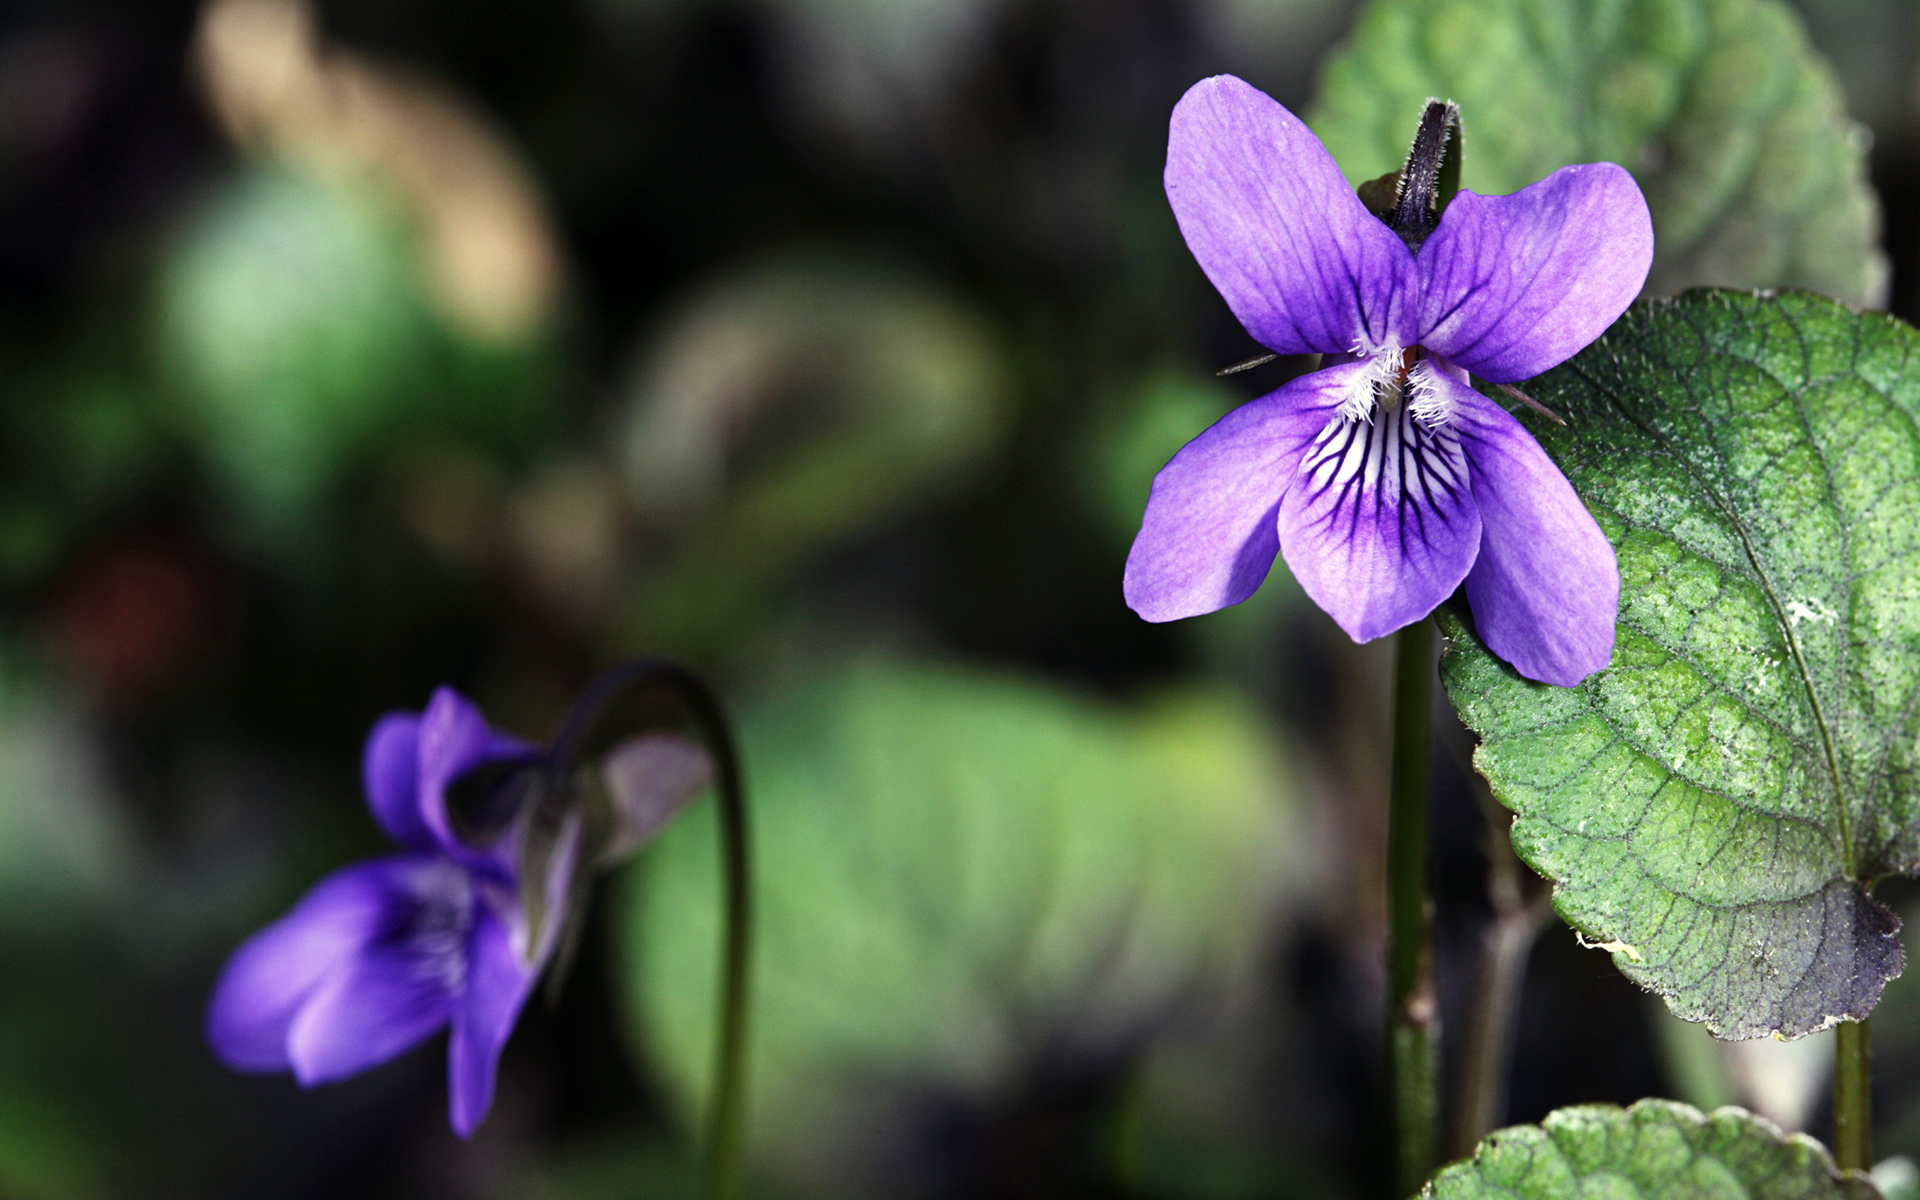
(1417, 204)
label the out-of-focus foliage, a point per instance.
(485, 254)
(61, 846)
(1730, 122)
(1715, 805)
(1783, 1081)
(1872, 44)
(382, 271)
(792, 406)
(88, 443)
(296, 332)
(957, 870)
(1278, 43)
(1167, 411)
(869, 69)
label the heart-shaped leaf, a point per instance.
(955, 870)
(1655, 1150)
(1732, 125)
(1714, 806)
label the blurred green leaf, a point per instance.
(1168, 411)
(291, 315)
(954, 868)
(298, 341)
(82, 440)
(1656, 1150)
(1713, 806)
(65, 851)
(1730, 122)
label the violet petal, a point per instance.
(454, 737)
(398, 986)
(390, 771)
(1276, 227)
(1546, 588)
(1208, 538)
(1514, 285)
(275, 971)
(1380, 527)
(497, 986)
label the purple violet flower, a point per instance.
(382, 954)
(1384, 479)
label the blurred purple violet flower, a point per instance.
(452, 931)
(1384, 479)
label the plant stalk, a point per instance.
(1489, 1052)
(726, 1105)
(1413, 1012)
(1481, 1100)
(1852, 1097)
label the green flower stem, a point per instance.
(1852, 1097)
(726, 1111)
(726, 1118)
(1413, 1014)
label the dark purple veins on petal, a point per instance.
(1380, 526)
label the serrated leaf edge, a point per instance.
(1862, 1183)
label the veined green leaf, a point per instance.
(1714, 806)
(1733, 126)
(1656, 1150)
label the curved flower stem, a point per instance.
(726, 1109)
(1413, 1014)
(1852, 1097)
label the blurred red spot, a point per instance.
(134, 613)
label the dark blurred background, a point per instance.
(350, 348)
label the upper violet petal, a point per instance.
(273, 973)
(1546, 589)
(1273, 223)
(455, 737)
(1513, 285)
(390, 770)
(399, 986)
(497, 987)
(1380, 527)
(1207, 539)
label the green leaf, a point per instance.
(1714, 805)
(298, 344)
(953, 870)
(1656, 1150)
(292, 326)
(1732, 125)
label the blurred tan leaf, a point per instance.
(490, 259)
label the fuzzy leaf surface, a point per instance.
(1656, 1149)
(1733, 126)
(1713, 807)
